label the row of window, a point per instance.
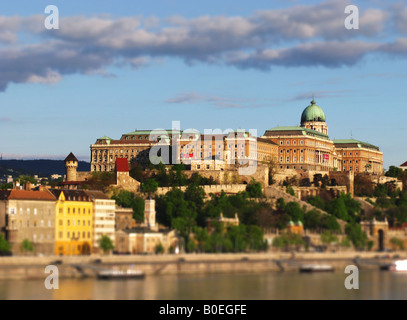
(288, 142)
(75, 235)
(41, 237)
(288, 150)
(28, 211)
(34, 223)
(78, 222)
(350, 168)
(75, 210)
(294, 159)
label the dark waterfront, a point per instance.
(373, 284)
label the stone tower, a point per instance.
(313, 117)
(149, 214)
(71, 165)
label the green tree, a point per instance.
(27, 246)
(150, 186)
(305, 182)
(23, 179)
(105, 243)
(5, 247)
(6, 186)
(394, 172)
(356, 235)
(317, 179)
(290, 190)
(294, 211)
(127, 199)
(328, 237)
(398, 243)
(159, 249)
(254, 189)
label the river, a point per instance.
(373, 284)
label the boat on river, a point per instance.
(311, 267)
(398, 266)
(121, 274)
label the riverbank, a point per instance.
(87, 266)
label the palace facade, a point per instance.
(304, 147)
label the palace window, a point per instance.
(301, 142)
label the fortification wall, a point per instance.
(228, 188)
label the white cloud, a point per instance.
(301, 35)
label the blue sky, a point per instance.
(114, 67)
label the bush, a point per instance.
(26, 246)
(159, 249)
(5, 248)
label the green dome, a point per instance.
(313, 113)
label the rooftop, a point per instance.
(30, 195)
(304, 131)
(71, 157)
(122, 165)
(353, 142)
(313, 113)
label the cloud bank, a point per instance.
(311, 35)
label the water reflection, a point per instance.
(267, 286)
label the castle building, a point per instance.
(187, 147)
(359, 156)
(308, 147)
(303, 147)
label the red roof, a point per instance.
(122, 165)
(404, 164)
(30, 195)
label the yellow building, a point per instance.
(73, 222)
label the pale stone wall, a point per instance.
(124, 181)
(228, 188)
(303, 192)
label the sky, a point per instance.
(116, 66)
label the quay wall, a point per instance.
(34, 267)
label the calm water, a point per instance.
(268, 286)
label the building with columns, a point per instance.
(303, 147)
(308, 147)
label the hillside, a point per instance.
(42, 168)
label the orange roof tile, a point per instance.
(30, 195)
